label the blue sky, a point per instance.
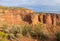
(35, 5)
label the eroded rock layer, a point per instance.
(23, 16)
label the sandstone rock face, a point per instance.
(27, 18)
(54, 20)
(35, 19)
(11, 19)
(15, 16)
(40, 18)
(20, 17)
(48, 20)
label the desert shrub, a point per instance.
(5, 28)
(37, 32)
(3, 35)
(57, 36)
(26, 30)
(58, 23)
(15, 32)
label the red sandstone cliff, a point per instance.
(22, 16)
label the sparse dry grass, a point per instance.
(15, 32)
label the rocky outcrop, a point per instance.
(22, 16)
(35, 19)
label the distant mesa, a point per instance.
(20, 16)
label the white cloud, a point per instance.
(40, 2)
(31, 2)
(50, 2)
(57, 1)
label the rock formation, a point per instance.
(22, 16)
(35, 19)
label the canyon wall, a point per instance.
(23, 16)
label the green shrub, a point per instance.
(3, 35)
(58, 23)
(37, 32)
(14, 31)
(5, 28)
(26, 30)
(57, 36)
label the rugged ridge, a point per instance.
(22, 16)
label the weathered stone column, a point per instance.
(35, 19)
(53, 16)
(54, 20)
(41, 17)
(48, 20)
(44, 19)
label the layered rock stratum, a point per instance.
(21, 16)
